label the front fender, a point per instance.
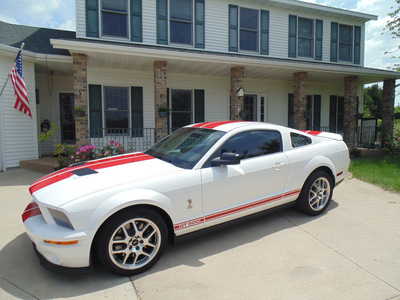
(129, 198)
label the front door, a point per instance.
(250, 108)
(67, 120)
(262, 172)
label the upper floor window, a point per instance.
(306, 37)
(181, 21)
(345, 43)
(114, 15)
(248, 29)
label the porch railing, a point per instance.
(131, 139)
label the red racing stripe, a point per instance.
(312, 132)
(95, 165)
(211, 217)
(200, 124)
(212, 125)
(89, 163)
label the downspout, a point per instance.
(2, 125)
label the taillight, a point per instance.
(31, 210)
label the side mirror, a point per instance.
(227, 158)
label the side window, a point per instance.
(299, 140)
(252, 143)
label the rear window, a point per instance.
(299, 140)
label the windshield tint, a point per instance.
(186, 146)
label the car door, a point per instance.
(262, 171)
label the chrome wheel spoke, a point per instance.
(126, 258)
(319, 193)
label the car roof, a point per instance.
(232, 125)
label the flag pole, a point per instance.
(2, 116)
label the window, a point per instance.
(299, 140)
(306, 37)
(248, 29)
(336, 114)
(116, 110)
(252, 143)
(262, 109)
(181, 21)
(115, 17)
(313, 112)
(186, 146)
(345, 43)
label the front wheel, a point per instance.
(132, 241)
(316, 193)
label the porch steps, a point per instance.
(43, 165)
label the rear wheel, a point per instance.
(132, 241)
(316, 193)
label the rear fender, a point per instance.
(318, 162)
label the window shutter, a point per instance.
(334, 41)
(317, 112)
(199, 23)
(264, 31)
(92, 18)
(199, 106)
(319, 29)
(333, 114)
(309, 109)
(137, 111)
(357, 45)
(340, 114)
(162, 22)
(136, 21)
(233, 28)
(291, 110)
(292, 36)
(95, 111)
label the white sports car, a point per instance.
(124, 210)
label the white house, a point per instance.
(136, 70)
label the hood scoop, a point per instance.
(84, 172)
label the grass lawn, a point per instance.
(383, 171)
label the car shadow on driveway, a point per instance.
(21, 272)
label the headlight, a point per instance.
(60, 218)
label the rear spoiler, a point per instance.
(323, 134)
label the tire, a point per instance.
(313, 201)
(128, 252)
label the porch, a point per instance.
(137, 95)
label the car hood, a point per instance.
(58, 188)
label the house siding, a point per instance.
(216, 26)
(18, 131)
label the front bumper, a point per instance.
(70, 256)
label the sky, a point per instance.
(60, 14)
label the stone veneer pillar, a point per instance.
(299, 101)
(351, 86)
(236, 105)
(80, 88)
(389, 87)
(160, 98)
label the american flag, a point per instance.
(21, 93)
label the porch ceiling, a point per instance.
(141, 58)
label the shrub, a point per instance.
(65, 154)
(112, 148)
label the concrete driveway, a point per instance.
(351, 252)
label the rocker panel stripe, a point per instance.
(190, 223)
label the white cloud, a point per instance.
(8, 19)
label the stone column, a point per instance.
(389, 86)
(351, 86)
(299, 101)
(160, 99)
(236, 105)
(80, 88)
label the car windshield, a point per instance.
(186, 146)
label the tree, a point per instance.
(373, 97)
(393, 27)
